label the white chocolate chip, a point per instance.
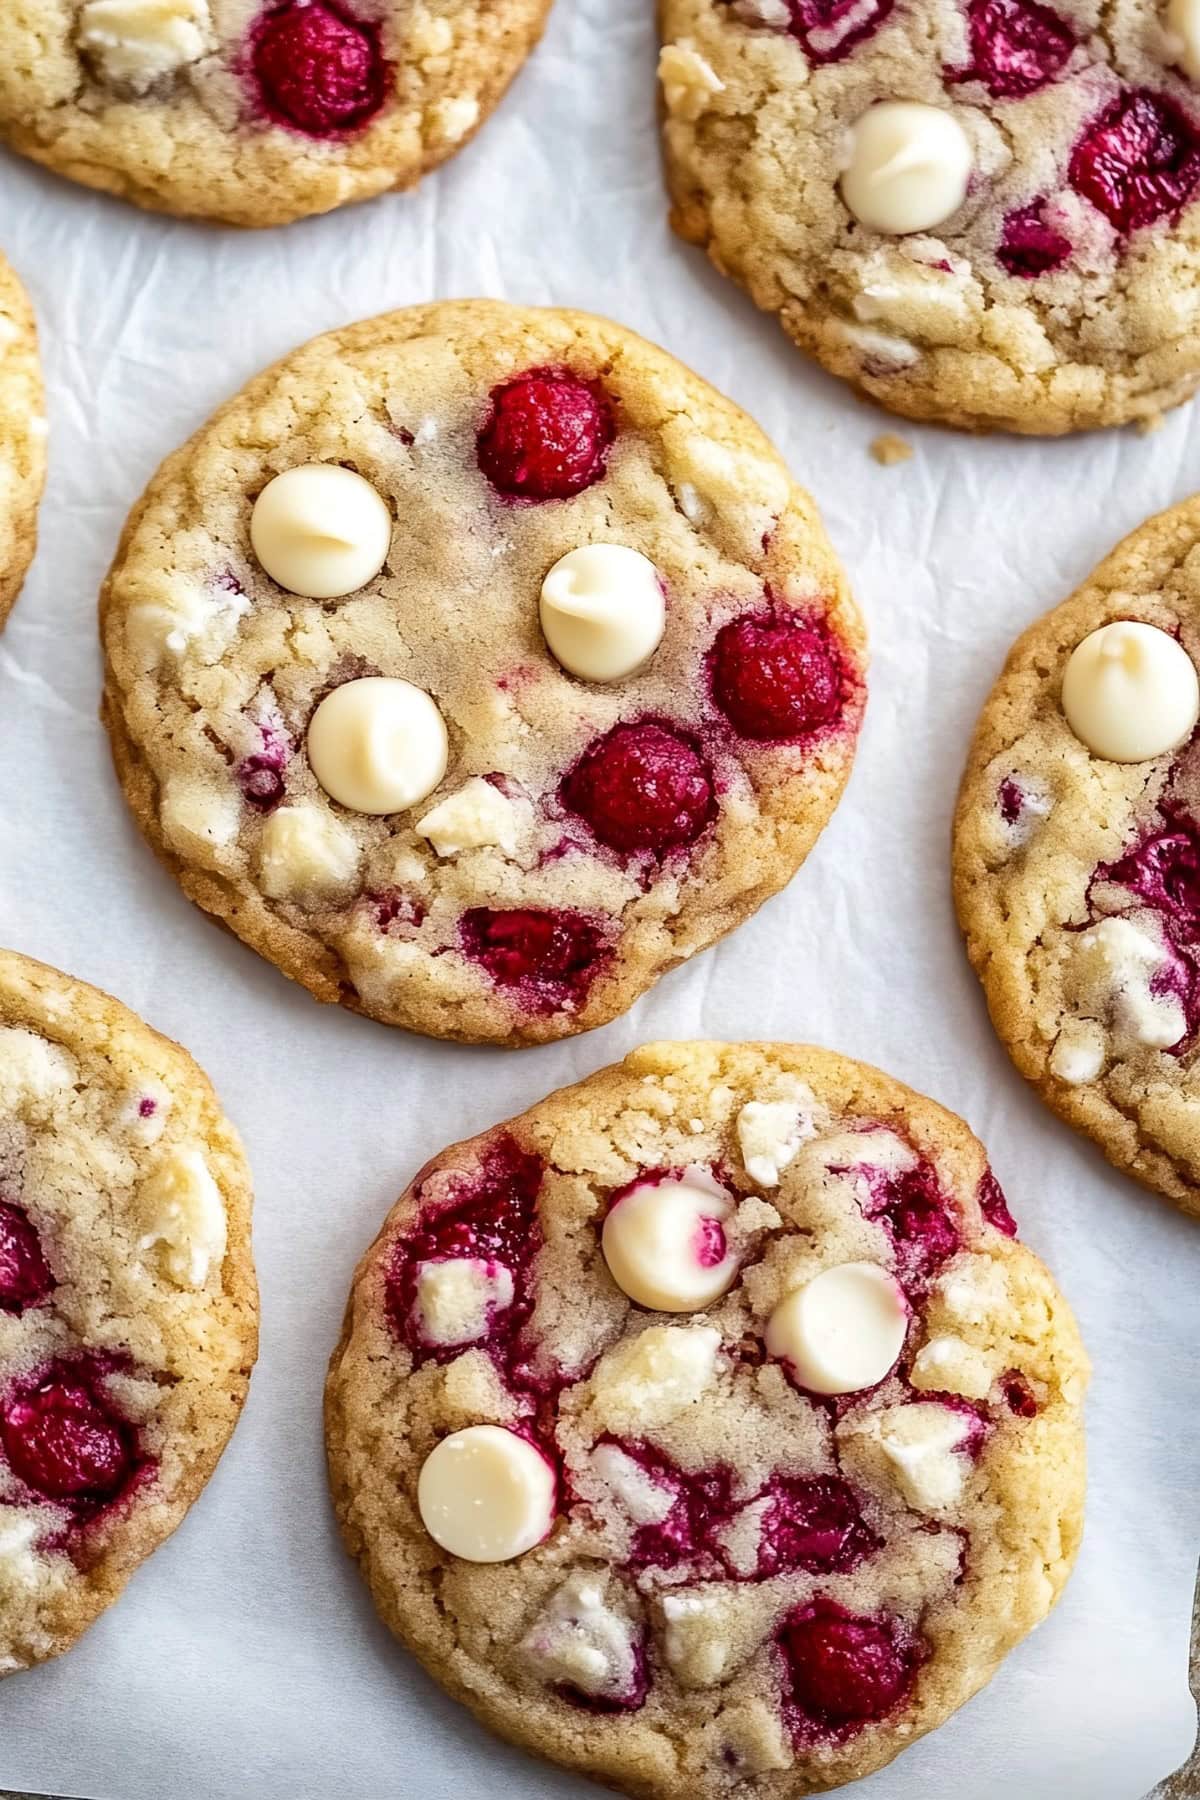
(880, 348)
(908, 167)
(378, 745)
(486, 1495)
(644, 1500)
(305, 851)
(183, 1217)
(665, 1245)
(1183, 22)
(923, 1443)
(770, 1132)
(138, 42)
(579, 1640)
(321, 531)
(688, 81)
(1130, 692)
(1079, 1051)
(478, 814)
(199, 820)
(650, 1379)
(602, 611)
(950, 1365)
(458, 1298)
(32, 1071)
(842, 1331)
(1113, 965)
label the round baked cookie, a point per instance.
(399, 794)
(128, 1307)
(254, 112)
(1077, 855)
(980, 212)
(22, 437)
(705, 1428)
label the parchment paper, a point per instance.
(245, 1659)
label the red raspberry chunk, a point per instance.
(776, 679)
(319, 69)
(552, 956)
(25, 1277)
(1029, 248)
(546, 436)
(1017, 46)
(1139, 161)
(830, 29)
(846, 1671)
(643, 786)
(63, 1440)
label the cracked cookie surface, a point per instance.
(254, 112)
(744, 1588)
(128, 1306)
(1063, 292)
(586, 836)
(1077, 879)
(22, 436)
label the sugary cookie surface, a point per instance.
(749, 1531)
(577, 686)
(22, 436)
(254, 112)
(1077, 855)
(128, 1308)
(985, 212)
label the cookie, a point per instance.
(128, 1307)
(980, 212)
(22, 437)
(706, 1428)
(1077, 855)
(576, 686)
(254, 112)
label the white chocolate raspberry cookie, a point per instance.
(477, 665)
(22, 437)
(1077, 855)
(254, 112)
(128, 1307)
(706, 1428)
(982, 212)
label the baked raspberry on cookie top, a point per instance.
(998, 224)
(128, 1310)
(493, 666)
(733, 1439)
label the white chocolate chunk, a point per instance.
(185, 614)
(1112, 970)
(665, 1245)
(652, 1378)
(688, 81)
(1130, 692)
(841, 1332)
(458, 1298)
(183, 1217)
(950, 1365)
(321, 531)
(486, 1495)
(1078, 1053)
(602, 611)
(770, 1132)
(454, 117)
(641, 1498)
(378, 745)
(198, 819)
(32, 1071)
(696, 1651)
(306, 851)
(478, 814)
(924, 1443)
(909, 165)
(579, 1640)
(1183, 22)
(138, 42)
(19, 1564)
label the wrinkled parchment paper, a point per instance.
(245, 1659)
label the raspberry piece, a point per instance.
(994, 1206)
(920, 1217)
(1019, 1397)
(1164, 871)
(552, 957)
(1017, 47)
(775, 679)
(319, 70)
(1139, 161)
(546, 436)
(25, 1277)
(845, 1671)
(830, 29)
(1029, 247)
(813, 1523)
(642, 787)
(63, 1440)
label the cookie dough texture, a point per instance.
(158, 102)
(212, 669)
(933, 325)
(22, 436)
(1078, 880)
(970, 1553)
(116, 1160)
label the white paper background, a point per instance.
(245, 1658)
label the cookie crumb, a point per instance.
(888, 449)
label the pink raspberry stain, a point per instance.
(546, 436)
(1139, 161)
(1010, 798)
(548, 958)
(710, 1246)
(65, 1440)
(25, 1277)
(643, 786)
(396, 913)
(994, 1206)
(317, 68)
(920, 1218)
(261, 776)
(488, 1214)
(778, 678)
(828, 30)
(1163, 872)
(843, 1670)
(1017, 47)
(813, 1523)
(1029, 247)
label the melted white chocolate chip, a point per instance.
(378, 745)
(602, 611)
(320, 531)
(665, 1246)
(842, 1331)
(909, 165)
(1130, 692)
(486, 1495)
